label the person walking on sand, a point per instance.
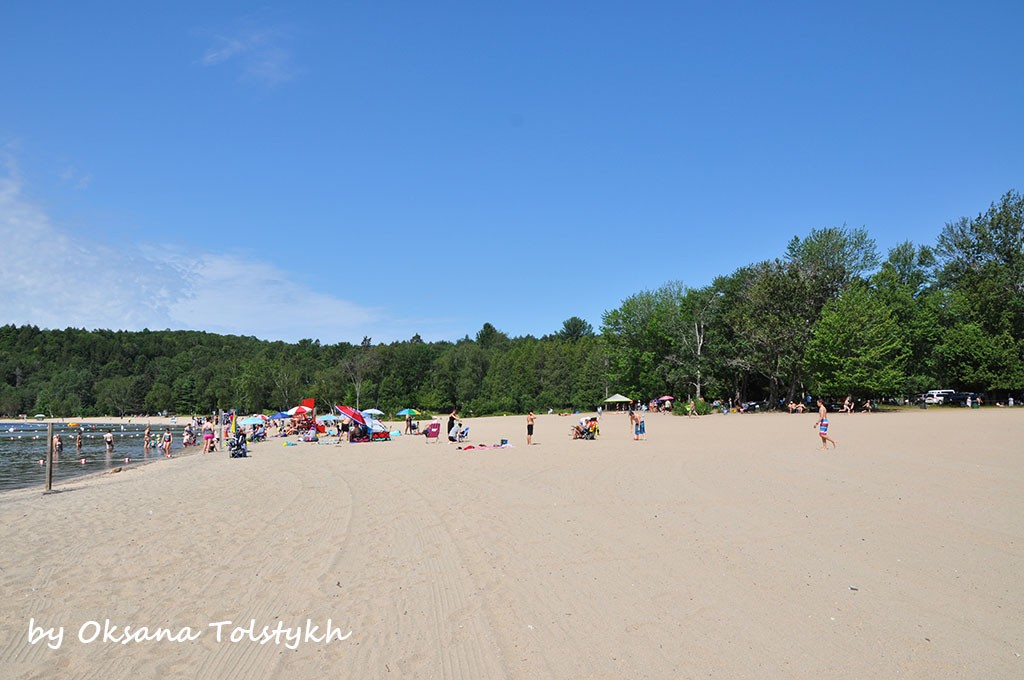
(530, 418)
(822, 426)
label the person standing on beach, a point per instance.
(822, 426)
(530, 418)
(207, 435)
(108, 439)
(452, 418)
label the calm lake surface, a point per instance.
(23, 446)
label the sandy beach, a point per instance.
(723, 546)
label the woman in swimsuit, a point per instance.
(207, 435)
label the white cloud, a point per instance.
(257, 52)
(54, 280)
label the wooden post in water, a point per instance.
(220, 428)
(49, 456)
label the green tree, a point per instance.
(118, 395)
(905, 284)
(857, 347)
(359, 367)
(575, 329)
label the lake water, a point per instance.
(23, 446)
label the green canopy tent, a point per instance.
(618, 399)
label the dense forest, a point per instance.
(830, 317)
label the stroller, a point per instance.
(237, 447)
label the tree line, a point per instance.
(829, 317)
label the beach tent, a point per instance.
(617, 398)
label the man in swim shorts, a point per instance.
(530, 418)
(822, 426)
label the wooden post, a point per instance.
(220, 428)
(49, 456)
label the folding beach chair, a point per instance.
(433, 432)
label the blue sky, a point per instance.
(335, 170)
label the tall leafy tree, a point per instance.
(858, 347)
(905, 284)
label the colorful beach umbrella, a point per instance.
(327, 418)
(666, 398)
(298, 411)
(408, 412)
(351, 413)
(373, 412)
(251, 420)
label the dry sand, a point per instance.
(724, 546)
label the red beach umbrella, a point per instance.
(351, 413)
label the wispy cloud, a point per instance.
(54, 280)
(261, 55)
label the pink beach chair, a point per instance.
(433, 432)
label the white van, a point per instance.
(937, 396)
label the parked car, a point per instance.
(960, 398)
(937, 396)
